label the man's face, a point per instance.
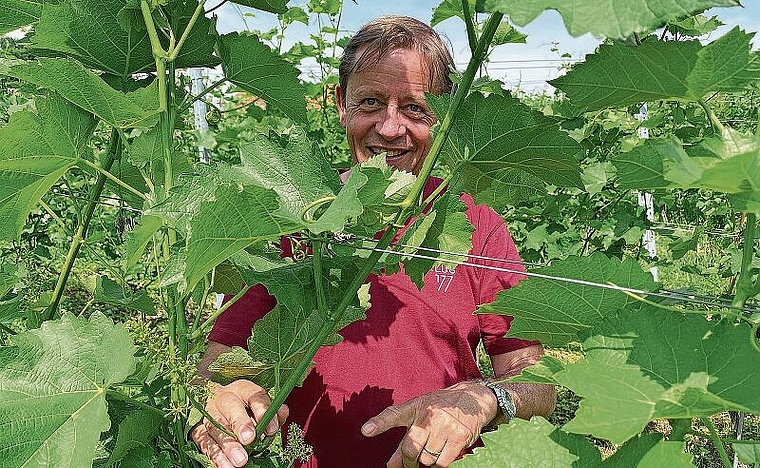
(383, 110)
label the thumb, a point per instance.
(392, 416)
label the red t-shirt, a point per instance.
(411, 343)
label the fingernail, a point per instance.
(247, 436)
(368, 428)
(239, 456)
(272, 428)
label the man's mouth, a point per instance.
(389, 154)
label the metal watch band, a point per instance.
(503, 399)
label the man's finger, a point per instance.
(210, 447)
(233, 451)
(392, 416)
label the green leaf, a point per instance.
(297, 171)
(506, 151)
(748, 453)
(84, 89)
(251, 65)
(53, 382)
(618, 75)
(18, 13)
(139, 238)
(449, 9)
(35, 151)
(109, 292)
(540, 444)
(446, 229)
(506, 34)
(558, 312)
(272, 6)
(609, 18)
(232, 222)
(135, 435)
(660, 364)
(650, 451)
(96, 34)
(345, 206)
(694, 26)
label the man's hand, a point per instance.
(440, 424)
(236, 406)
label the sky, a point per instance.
(528, 65)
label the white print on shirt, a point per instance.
(444, 276)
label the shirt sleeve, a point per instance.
(492, 239)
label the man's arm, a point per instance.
(236, 406)
(443, 423)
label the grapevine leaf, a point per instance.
(618, 75)
(650, 451)
(92, 32)
(35, 151)
(53, 383)
(660, 364)
(19, 13)
(608, 18)
(445, 229)
(449, 9)
(8, 278)
(345, 206)
(83, 88)
(272, 6)
(139, 238)
(541, 444)
(557, 312)
(136, 432)
(297, 171)
(694, 26)
(748, 453)
(232, 222)
(728, 163)
(253, 66)
(109, 292)
(504, 150)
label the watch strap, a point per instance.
(503, 399)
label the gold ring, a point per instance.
(430, 452)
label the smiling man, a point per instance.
(403, 388)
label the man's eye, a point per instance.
(370, 101)
(416, 108)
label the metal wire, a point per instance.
(663, 294)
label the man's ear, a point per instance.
(341, 102)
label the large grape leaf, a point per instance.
(609, 18)
(557, 312)
(231, 222)
(250, 64)
(298, 170)
(650, 451)
(19, 13)
(83, 88)
(541, 445)
(727, 163)
(652, 363)
(618, 75)
(506, 151)
(35, 151)
(53, 383)
(91, 32)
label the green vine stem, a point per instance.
(174, 51)
(718, 442)
(472, 38)
(319, 280)
(711, 115)
(112, 153)
(744, 286)
(328, 327)
(448, 120)
(113, 179)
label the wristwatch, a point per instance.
(503, 399)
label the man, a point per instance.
(403, 387)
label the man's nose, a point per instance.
(390, 125)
